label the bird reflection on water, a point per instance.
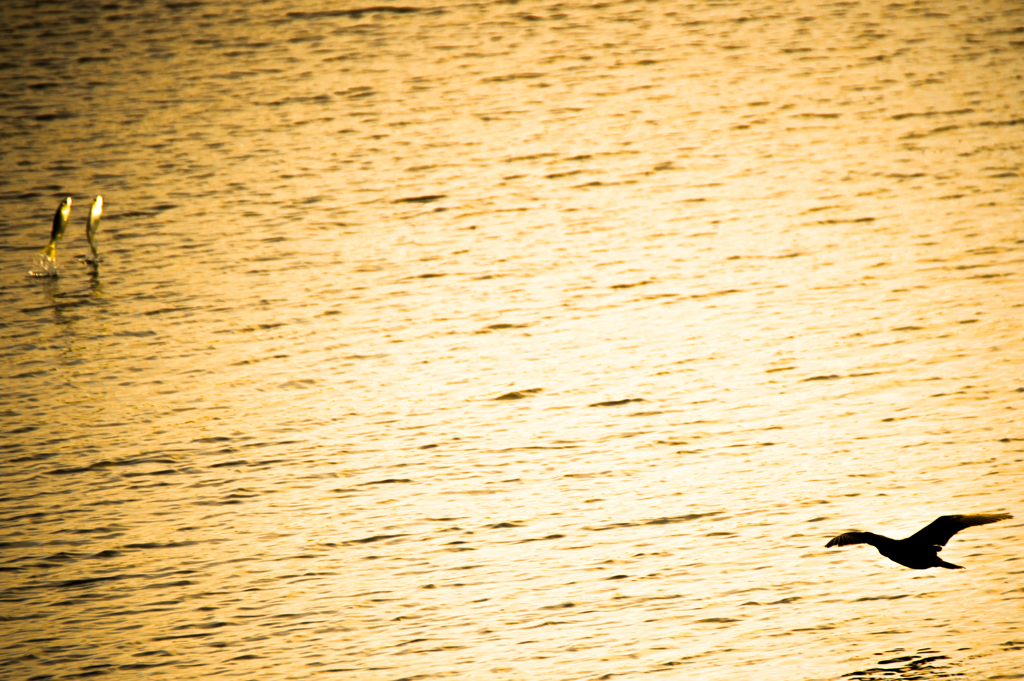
(920, 666)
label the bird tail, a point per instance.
(949, 566)
(50, 252)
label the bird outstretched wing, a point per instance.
(941, 529)
(848, 538)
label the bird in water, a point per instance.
(60, 223)
(920, 551)
(92, 225)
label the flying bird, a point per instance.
(920, 551)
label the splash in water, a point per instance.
(44, 266)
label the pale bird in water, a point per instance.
(93, 224)
(60, 223)
(920, 551)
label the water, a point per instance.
(514, 340)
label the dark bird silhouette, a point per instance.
(920, 551)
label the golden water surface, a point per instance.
(510, 340)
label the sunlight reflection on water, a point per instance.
(512, 340)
